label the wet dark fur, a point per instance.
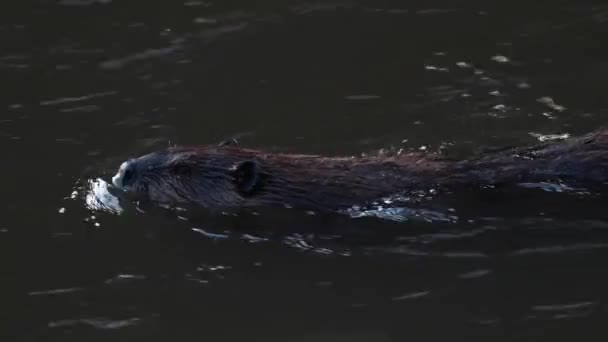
(229, 176)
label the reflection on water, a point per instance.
(554, 187)
(442, 227)
(90, 83)
(403, 214)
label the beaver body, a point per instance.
(230, 176)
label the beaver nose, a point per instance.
(125, 175)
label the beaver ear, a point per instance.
(247, 176)
(229, 142)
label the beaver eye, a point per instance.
(127, 176)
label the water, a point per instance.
(87, 84)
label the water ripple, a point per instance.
(413, 295)
(474, 274)
(55, 291)
(98, 323)
(119, 63)
(559, 249)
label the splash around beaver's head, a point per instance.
(209, 177)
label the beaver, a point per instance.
(226, 175)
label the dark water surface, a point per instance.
(87, 83)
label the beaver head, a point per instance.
(228, 176)
(204, 176)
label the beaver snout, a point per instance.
(125, 175)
